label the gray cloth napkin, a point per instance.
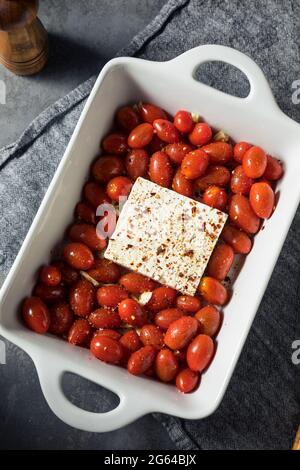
(261, 408)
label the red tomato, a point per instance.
(95, 194)
(36, 315)
(87, 234)
(166, 365)
(151, 334)
(200, 353)
(132, 313)
(85, 213)
(137, 163)
(61, 318)
(194, 164)
(237, 239)
(215, 175)
(242, 215)
(141, 360)
(216, 197)
(220, 261)
(150, 112)
(136, 283)
(180, 332)
(127, 118)
(82, 298)
(213, 291)
(80, 332)
(115, 143)
(78, 256)
(106, 349)
(209, 319)
(166, 131)
(50, 275)
(107, 167)
(187, 380)
(254, 162)
(219, 152)
(188, 303)
(118, 187)
(162, 298)
(182, 185)
(131, 341)
(201, 134)
(176, 152)
(105, 271)
(240, 182)
(160, 169)
(104, 318)
(239, 151)
(165, 317)
(111, 296)
(262, 199)
(50, 294)
(140, 136)
(183, 121)
(273, 169)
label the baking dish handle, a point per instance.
(128, 409)
(188, 62)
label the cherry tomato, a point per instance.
(78, 256)
(209, 319)
(273, 169)
(180, 332)
(68, 274)
(115, 143)
(213, 291)
(132, 313)
(239, 151)
(61, 318)
(107, 167)
(262, 199)
(216, 197)
(182, 185)
(240, 182)
(141, 360)
(160, 169)
(194, 164)
(215, 175)
(106, 349)
(188, 303)
(85, 213)
(80, 332)
(165, 317)
(242, 215)
(162, 298)
(136, 283)
(201, 134)
(176, 152)
(151, 334)
(219, 152)
(50, 275)
(254, 162)
(118, 187)
(140, 136)
(95, 194)
(50, 294)
(113, 334)
(183, 121)
(87, 234)
(82, 298)
(127, 118)
(166, 131)
(36, 315)
(166, 365)
(220, 261)
(105, 271)
(187, 380)
(104, 318)
(237, 239)
(150, 112)
(137, 163)
(200, 353)
(131, 341)
(111, 296)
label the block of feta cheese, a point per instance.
(165, 236)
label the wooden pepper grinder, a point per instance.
(23, 39)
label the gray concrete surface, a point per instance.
(83, 34)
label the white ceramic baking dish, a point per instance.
(171, 85)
